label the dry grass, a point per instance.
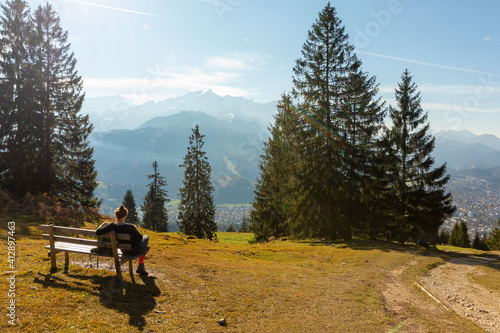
(282, 286)
(488, 276)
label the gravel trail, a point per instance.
(451, 283)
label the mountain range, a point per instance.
(128, 138)
(117, 112)
(466, 150)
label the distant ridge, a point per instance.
(187, 119)
(465, 150)
(465, 136)
(116, 112)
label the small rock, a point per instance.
(222, 322)
(34, 288)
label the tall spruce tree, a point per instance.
(363, 126)
(479, 242)
(45, 147)
(336, 103)
(460, 235)
(272, 211)
(493, 240)
(155, 213)
(17, 110)
(244, 225)
(129, 203)
(444, 237)
(420, 203)
(65, 164)
(197, 209)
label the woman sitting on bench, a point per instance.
(138, 241)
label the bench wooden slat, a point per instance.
(77, 248)
(89, 242)
(118, 236)
(84, 232)
(87, 249)
(69, 230)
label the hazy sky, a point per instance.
(155, 49)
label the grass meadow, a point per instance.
(280, 286)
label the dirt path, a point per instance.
(451, 283)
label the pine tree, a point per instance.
(460, 235)
(271, 206)
(65, 168)
(197, 209)
(46, 146)
(444, 237)
(493, 240)
(155, 213)
(129, 203)
(365, 186)
(464, 234)
(244, 225)
(335, 101)
(17, 115)
(378, 195)
(479, 243)
(454, 239)
(421, 204)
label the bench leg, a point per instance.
(53, 265)
(66, 261)
(118, 270)
(131, 271)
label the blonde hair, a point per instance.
(121, 212)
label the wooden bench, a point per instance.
(66, 244)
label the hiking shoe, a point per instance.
(141, 270)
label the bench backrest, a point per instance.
(57, 230)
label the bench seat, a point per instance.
(77, 248)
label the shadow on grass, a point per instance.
(487, 259)
(22, 223)
(362, 244)
(134, 299)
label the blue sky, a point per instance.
(156, 49)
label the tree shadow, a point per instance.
(22, 228)
(362, 244)
(134, 299)
(487, 259)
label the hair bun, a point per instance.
(121, 212)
